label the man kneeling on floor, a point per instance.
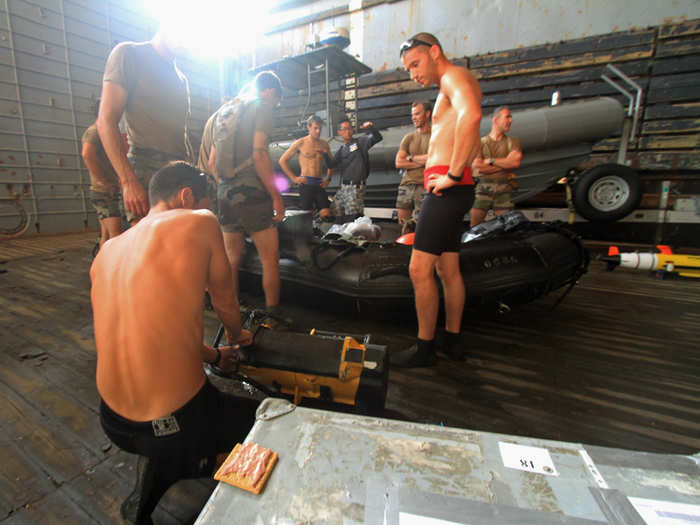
(147, 299)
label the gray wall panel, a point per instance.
(86, 76)
(89, 91)
(87, 61)
(52, 160)
(85, 30)
(49, 66)
(47, 4)
(97, 49)
(48, 15)
(36, 46)
(7, 89)
(11, 124)
(47, 113)
(11, 157)
(41, 81)
(9, 108)
(48, 129)
(5, 56)
(97, 19)
(11, 141)
(45, 96)
(51, 144)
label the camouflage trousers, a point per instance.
(410, 197)
(145, 162)
(244, 205)
(349, 200)
(106, 204)
(496, 195)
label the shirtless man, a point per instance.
(311, 184)
(498, 156)
(454, 143)
(147, 300)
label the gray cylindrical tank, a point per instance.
(548, 127)
(587, 121)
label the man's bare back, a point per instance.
(149, 284)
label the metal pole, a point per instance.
(21, 117)
(74, 120)
(663, 205)
(328, 102)
(637, 101)
(624, 141)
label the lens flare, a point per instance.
(281, 182)
(213, 28)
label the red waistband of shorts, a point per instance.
(467, 178)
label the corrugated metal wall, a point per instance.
(52, 56)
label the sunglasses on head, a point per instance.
(411, 43)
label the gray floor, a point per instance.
(616, 364)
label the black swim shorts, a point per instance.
(312, 197)
(210, 423)
(441, 220)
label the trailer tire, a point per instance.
(607, 193)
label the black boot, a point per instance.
(275, 319)
(137, 508)
(452, 347)
(421, 354)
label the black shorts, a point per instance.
(312, 197)
(210, 423)
(441, 220)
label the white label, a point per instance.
(530, 459)
(655, 512)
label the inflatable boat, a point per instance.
(507, 260)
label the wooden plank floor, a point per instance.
(616, 364)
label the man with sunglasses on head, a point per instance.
(147, 301)
(352, 161)
(454, 143)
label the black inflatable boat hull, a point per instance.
(516, 266)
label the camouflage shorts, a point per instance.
(348, 200)
(409, 197)
(496, 195)
(106, 204)
(145, 163)
(244, 204)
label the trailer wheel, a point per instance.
(607, 193)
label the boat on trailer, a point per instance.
(555, 140)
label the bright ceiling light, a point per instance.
(213, 28)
